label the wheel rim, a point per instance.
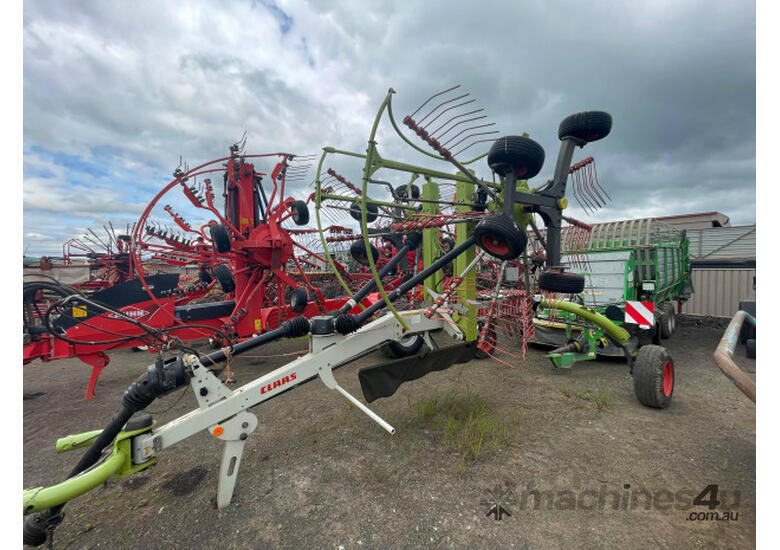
(668, 378)
(408, 341)
(495, 245)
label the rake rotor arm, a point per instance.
(349, 323)
(412, 242)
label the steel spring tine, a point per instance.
(456, 98)
(594, 192)
(576, 191)
(586, 193)
(466, 130)
(451, 107)
(469, 136)
(435, 95)
(472, 144)
(596, 180)
(597, 189)
(464, 121)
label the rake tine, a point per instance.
(434, 95)
(584, 195)
(596, 179)
(466, 130)
(598, 199)
(596, 186)
(576, 191)
(451, 107)
(440, 105)
(433, 134)
(475, 134)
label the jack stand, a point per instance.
(233, 431)
(98, 361)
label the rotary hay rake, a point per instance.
(456, 307)
(248, 251)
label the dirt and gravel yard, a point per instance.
(576, 460)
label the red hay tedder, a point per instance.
(247, 250)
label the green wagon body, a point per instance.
(637, 260)
(641, 260)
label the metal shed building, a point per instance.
(724, 269)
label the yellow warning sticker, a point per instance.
(258, 325)
(79, 311)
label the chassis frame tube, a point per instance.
(42, 498)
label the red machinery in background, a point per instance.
(247, 250)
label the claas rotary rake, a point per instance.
(483, 222)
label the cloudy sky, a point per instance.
(115, 92)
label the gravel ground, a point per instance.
(317, 473)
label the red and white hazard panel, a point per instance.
(640, 313)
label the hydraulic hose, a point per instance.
(160, 379)
(412, 242)
(346, 323)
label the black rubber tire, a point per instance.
(224, 277)
(32, 533)
(220, 237)
(400, 192)
(300, 213)
(614, 313)
(204, 276)
(587, 126)
(518, 152)
(358, 252)
(664, 321)
(750, 348)
(499, 236)
(405, 347)
(299, 300)
(667, 320)
(567, 283)
(371, 211)
(653, 384)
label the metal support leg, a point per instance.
(235, 433)
(98, 361)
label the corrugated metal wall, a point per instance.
(723, 243)
(718, 291)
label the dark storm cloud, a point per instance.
(151, 81)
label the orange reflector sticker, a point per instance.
(218, 431)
